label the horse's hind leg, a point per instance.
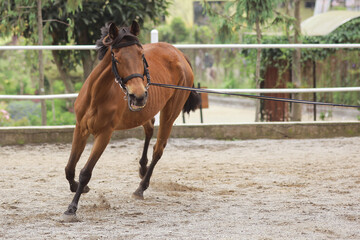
(78, 145)
(158, 151)
(167, 117)
(149, 131)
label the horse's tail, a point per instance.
(193, 102)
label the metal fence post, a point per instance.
(154, 36)
(154, 39)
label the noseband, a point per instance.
(122, 81)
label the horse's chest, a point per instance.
(98, 119)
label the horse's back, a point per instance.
(169, 58)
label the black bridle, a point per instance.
(122, 81)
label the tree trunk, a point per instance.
(41, 63)
(86, 57)
(257, 72)
(69, 86)
(88, 63)
(296, 69)
(287, 21)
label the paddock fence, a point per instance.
(259, 130)
(195, 46)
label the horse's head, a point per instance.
(129, 64)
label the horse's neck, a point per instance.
(100, 67)
(101, 78)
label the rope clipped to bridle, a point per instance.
(269, 98)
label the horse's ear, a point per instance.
(135, 28)
(113, 31)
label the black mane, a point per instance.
(100, 46)
(103, 44)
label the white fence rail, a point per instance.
(189, 46)
(264, 46)
(244, 91)
(194, 46)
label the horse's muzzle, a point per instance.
(136, 103)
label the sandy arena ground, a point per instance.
(201, 189)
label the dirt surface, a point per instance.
(201, 189)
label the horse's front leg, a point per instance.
(149, 131)
(100, 143)
(78, 145)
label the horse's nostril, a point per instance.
(138, 98)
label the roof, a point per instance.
(325, 23)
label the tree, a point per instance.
(75, 22)
(41, 62)
(246, 14)
(34, 15)
(296, 74)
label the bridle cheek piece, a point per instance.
(122, 81)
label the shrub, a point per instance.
(25, 109)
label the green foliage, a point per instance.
(238, 69)
(166, 34)
(226, 68)
(64, 22)
(15, 73)
(6, 120)
(203, 34)
(179, 29)
(61, 114)
(83, 19)
(240, 15)
(74, 22)
(78, 86)
(346, 33)
(250, 11)
(176, 32)
(345, 74)
(27, 112)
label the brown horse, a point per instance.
(101, 109)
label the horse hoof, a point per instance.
(67, 217)
(138, 195)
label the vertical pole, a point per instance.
(154, 38)
(296, 75)
(41, 63)
(257, 70)
(201, 113)
(314, 86)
